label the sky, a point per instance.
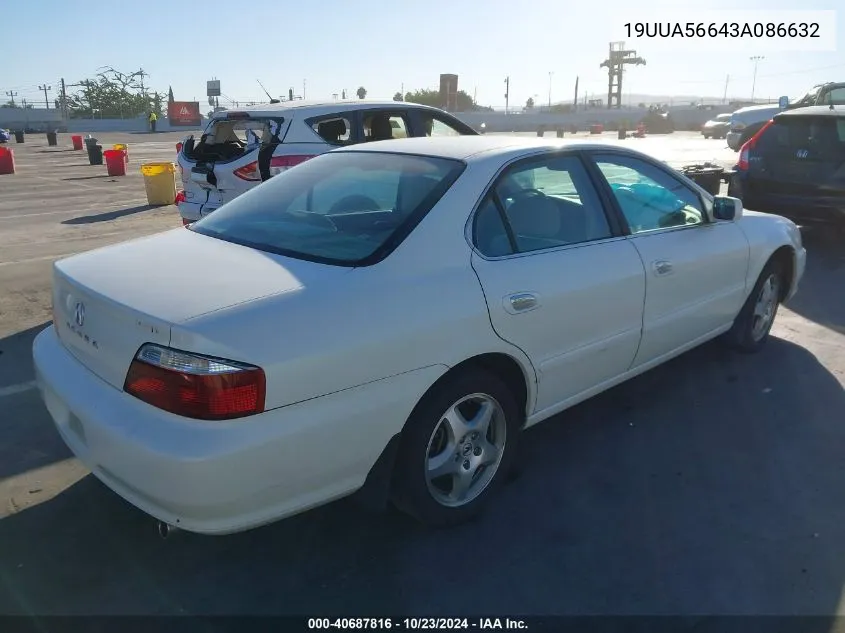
(331, 45)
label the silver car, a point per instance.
(241, 148)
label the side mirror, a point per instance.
(783, 102)
(727, 208)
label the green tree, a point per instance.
(430, 97)
(530, 103)
(361, 92)
(397, 96)
(113, 94)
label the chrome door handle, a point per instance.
(662, 267)
(521, 302)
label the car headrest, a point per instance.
(333, 129)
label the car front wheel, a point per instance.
(751, 328)
(456, 449)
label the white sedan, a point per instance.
(483, 285)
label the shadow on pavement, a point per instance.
(88, 177)
(820, 297)
(111, 215)
(28, 439)
(56, 151)
(711, 485)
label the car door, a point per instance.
(560, 281)
(695, 267)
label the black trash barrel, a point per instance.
(95, 153)
(19, 136)
(707, 176)
(52, 138)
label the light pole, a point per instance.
(550, 88)
(756, 59)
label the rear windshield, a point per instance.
(825, 135)
(348, 208)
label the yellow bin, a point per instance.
(160, 182)
(122, 147)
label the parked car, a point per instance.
(658, 122)
(237, 145)
(794, 166)
(401, 348)
(746, 122)
(717, 127)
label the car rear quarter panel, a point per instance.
(420, 307)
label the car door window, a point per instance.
(382, 126)
(546, 203)
(650, 198)
(435, 126)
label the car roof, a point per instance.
(466, 148)
(822, 110)
(319, 107)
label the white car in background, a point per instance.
(483, 285)
(228, 158)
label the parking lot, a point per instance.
(710, 485)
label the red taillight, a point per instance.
(180, 197)
(185, 222)
(745, 151)
(277, 165)
(195, 386)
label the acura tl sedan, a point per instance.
(482, 285)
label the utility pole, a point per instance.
(725, 97)
(550, 89)
(756, 59)
(64, 99)
(303, 89)
(507, 93)
(12, 94)
(45, 88)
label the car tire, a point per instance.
(446, 434)
(751, 328)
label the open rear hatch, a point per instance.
(223, 162)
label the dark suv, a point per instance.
(795, 166)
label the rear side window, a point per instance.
(835, 96)
(348, 209)
(334, 130)
(825, 135)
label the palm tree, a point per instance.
(362, 92)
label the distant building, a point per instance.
(449, 92)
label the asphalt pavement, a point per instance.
(710, 485)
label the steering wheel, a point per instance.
(315, 219)
(527, 192)
(353, 203)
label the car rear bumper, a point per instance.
(223, 477)
(799, 208)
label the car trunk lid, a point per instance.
(109, 302)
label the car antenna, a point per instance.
(272, 100)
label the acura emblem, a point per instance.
(802, 153)
(79, 314)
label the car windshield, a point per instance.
(809, 97)
(347, 208)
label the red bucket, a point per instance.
(7, 161)
(77, 141)
(115, 162)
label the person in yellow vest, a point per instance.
(153, 119)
